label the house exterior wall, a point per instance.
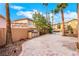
(72, 23)
(30, 23)
(2, 23)
(55, 27)
(23, 23)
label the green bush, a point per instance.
(70, 29)
(50, 29)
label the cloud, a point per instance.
(69, 15)
(57, 18)
(27, 14)
(17, 7)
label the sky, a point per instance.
(26, 10)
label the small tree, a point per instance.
(46, 6)
(52, 11)
(50, 28)
(40, 23)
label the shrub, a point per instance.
(50, 29)
(70, 29)
(40, 22)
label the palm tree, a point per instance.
(52, 11)
(78, 18)
(46, 5)
(52, 16)
(60, 7)
(8, 26)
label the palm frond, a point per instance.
(45, 4)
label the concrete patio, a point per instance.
(50, 45)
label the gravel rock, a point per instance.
(11, 49)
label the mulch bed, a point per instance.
(11, 49)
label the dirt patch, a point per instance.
(11, 49)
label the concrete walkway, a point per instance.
(50, 45)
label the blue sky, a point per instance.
(23, 10)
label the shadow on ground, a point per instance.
(12, 49)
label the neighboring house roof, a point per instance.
(57, 24)
(2, 17)
(65, 22)
(22, 24)
(71, 20)
(24, 19)
(2, 22)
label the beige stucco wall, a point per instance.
(17, 34)
(2, 23)
(55, 27)
(73, 24)
(22, 21)
(22, 24)
(2, 36)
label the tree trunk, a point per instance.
(63, 27)
(47, 14)
(78, 18)
(8, 26)
(52, 21)
(78, 24)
